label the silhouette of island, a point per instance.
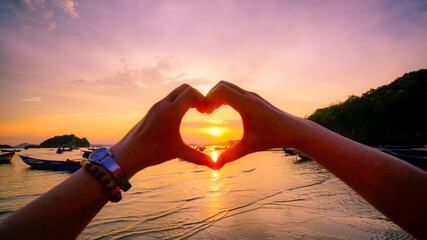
(391, 114)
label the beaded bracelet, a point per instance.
(104, 177)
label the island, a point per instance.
(65, 141)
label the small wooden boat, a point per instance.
(289, 151)
(86, 153)
(201, 148)
(220, 148)
(68, 165)
(402, 147)
(302, 156)
(6, 157)
(416, 158)
(59, 151)
(9, 150)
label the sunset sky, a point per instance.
(95, 67)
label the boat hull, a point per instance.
(7, 157)
(289, 151)
(51, 164)
(417, 158)
(402, 147)
(8, 150)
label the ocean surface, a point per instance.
(265, 195)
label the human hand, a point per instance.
(156, 138)
(264, 125)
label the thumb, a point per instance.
(192, 155)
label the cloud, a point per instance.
(34, 13)
(237, 124)
(32, 99)
(68, 6)
(129, 78)
(166, 70)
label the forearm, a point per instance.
(394, 187)
(61, 213)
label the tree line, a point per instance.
(65, 141)
(390, 114)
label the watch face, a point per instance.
(98, 154)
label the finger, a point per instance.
(265, 101)
(189, 98)
(192, 155)
(224, 94)
(235, 152)
(233, 86)
(243, 92)
(176, 92)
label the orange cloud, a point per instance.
(32, 99)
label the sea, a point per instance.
(264, 195)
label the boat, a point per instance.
(289, 151)
(418, 161)
(68, 165)
(302, 156)
(275, 150)
(8, 150)
(6, 157)
(86, 153)
(417, 158)
(219, 148)
(201, 148)
(402, 147)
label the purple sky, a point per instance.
(83, 66)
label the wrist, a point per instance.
(295, 131)
(103, 157)
(124, 159)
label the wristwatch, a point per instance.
(104, 157)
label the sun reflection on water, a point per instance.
(215, 193)
(215, 185)
(214, 156)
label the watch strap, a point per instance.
(106, 159)
(111, 165)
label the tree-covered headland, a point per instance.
(391, 114)
(65, 141)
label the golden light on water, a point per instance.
(215, 185)
(215, 194)
(214, 156)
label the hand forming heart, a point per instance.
(156, 138)
(263, 123)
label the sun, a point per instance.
(214, 131)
